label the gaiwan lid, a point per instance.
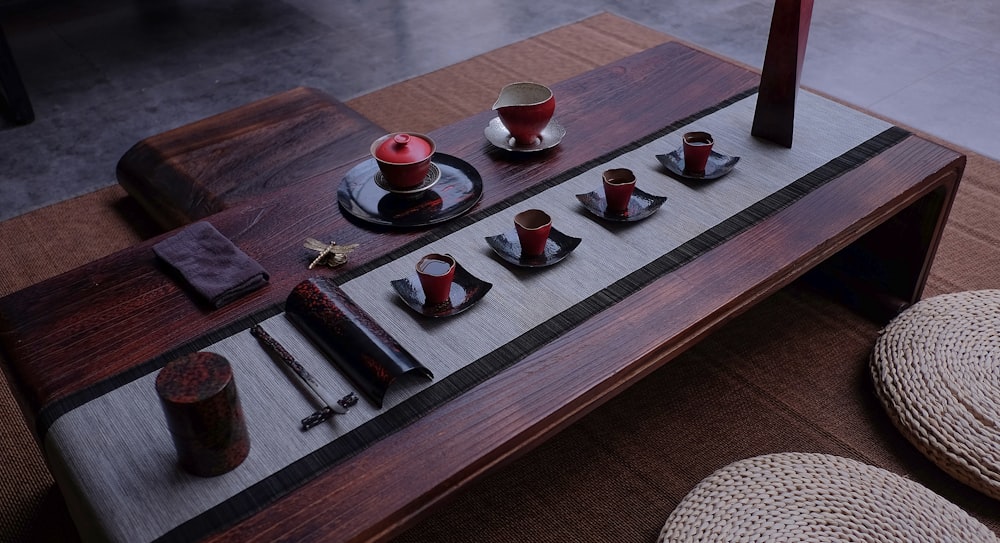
(403, 148)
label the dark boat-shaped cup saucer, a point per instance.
(718, 165)
(640, 206)
(466, 290)
(557, 247)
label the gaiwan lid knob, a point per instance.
(402, 148)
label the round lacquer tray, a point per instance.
(455, 192)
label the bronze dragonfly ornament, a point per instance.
(330, 254)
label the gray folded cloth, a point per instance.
(215, 267)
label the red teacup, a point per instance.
(436, 273)
(525, 110)
(533, 228)
(697, 149)
(618, 186)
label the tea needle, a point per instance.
(330, 408)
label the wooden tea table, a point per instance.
(76, 330)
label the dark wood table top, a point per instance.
(79, 328)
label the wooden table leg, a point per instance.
(18, 104)
(885, 271)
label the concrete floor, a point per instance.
(103, 74)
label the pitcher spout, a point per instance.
(522, 94)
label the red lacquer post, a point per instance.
(779, 82)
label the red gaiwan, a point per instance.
(404, 158)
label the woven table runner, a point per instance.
(110, 450)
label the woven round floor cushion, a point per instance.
(816, 497)
(935, 369)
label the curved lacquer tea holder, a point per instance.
(360, 348)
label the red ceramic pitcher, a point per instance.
(525, 109)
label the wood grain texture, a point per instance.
(94, 322)
(200, 169)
